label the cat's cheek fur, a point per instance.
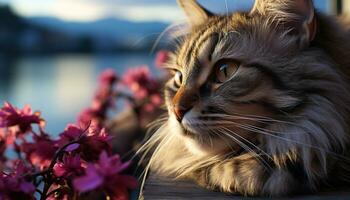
(190, 144)
(175, 126)
(194, 146)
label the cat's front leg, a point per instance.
(246, 175)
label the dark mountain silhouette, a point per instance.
(107, 33)
(110, 27)
(50, 35)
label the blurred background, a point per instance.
(51, 51)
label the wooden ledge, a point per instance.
(160, 188)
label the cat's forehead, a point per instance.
(236, 37)
(200, 44)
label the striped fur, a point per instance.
(279, 126)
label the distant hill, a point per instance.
(111, 27)
(107, 33)
(39, 35)
(17, 36)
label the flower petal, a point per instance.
(72, 147)
(59, 170)
(88, 182)
(27, 187)
(123, 166)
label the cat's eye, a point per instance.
(178, 79)
(225, 70)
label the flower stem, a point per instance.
(47, 177)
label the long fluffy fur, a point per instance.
(305, 142)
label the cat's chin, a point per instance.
(185, 128)
(205, 147)
(199, 144)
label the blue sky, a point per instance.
(134, 10)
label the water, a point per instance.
(59, 86)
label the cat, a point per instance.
(258, 102)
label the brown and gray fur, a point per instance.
(279, 126)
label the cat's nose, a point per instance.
(180, 112)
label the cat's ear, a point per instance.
(195, 13)
(298, 16)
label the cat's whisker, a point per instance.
(246, 147)
(157, 123)
(227, 16)
(255, 129)
(211, 141)
(144, 176)
(249, 142)
(147, 146)
(162, 34)
(259, 149)
(292, 141)
(134, 44)
(227, 121)
(212, 130)
(161, 144)
(257, 118)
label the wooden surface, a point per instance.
(157, 188)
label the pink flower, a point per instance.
(140, 82)
(11, 116)
(161, 58)
(108, 77)
(92, 141)
(95, 115)
(95, 142)
(20, 169)
(71, 132)
(41, 151)
(103, 100)
(156, 99)
(90, 181)
(71, 165)
(15, 185)
(8, 135)
(89, 115)
(148, 107)
(105, 175)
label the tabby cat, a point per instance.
(259, 102)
